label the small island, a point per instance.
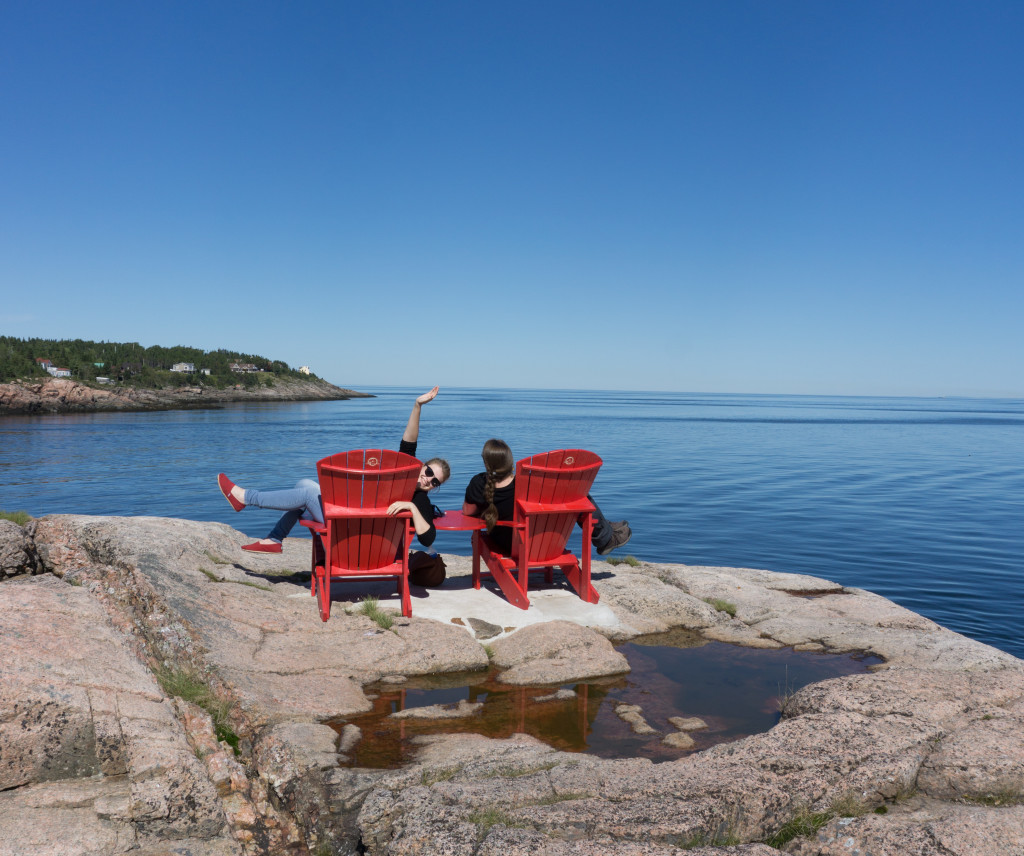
(40, 376)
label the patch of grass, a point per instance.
(803, 824)
(489, 651)
(217, 560)
(632, 561)
(214, 578)
(529, 771)
(786, 700)
(786, 694)
(190, 686)
(431, 777)
(370, 607)
(488, 817)
(722, 605)
(259, 586)
(848, 805)
(19, 517)
(704, 839)
(515, 773)
(1005, 795)
(554, 799)
(905, 793)
(806, 823)
(287, 572)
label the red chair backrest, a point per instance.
(553, 478)
(367, 481)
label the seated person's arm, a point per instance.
(474, 503)
(419, 522)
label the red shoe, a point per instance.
(257, 547)
(225, 484)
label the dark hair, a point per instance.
(499, 464)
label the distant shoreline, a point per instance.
(61, 395)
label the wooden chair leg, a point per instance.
(324, 594)
(475, 541)
(403, 593)
(506, 581)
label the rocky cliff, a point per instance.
(61, 395)
(162, 691)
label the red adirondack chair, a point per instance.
(550, 496)
(359, 539)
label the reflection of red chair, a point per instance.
(360, 540)
(550, 496)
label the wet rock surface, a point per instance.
(98, 756)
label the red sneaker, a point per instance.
(257, 547)
(225, 484)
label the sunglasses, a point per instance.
(434, 480)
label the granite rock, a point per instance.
(17, 552)
(555, 653)
(87, 735)
(96, 758)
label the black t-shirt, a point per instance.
(421, 499)
(504, 501)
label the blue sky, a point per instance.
(771, 197)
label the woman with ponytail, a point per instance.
(491, 495)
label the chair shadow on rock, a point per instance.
(550, 499)
(358, 539)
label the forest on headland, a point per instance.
(131, 364)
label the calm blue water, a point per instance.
(920, 500)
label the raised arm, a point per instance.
(412, 428)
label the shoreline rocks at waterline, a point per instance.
(63, 395)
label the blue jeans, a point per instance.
(301, 502)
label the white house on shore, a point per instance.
(190, 368)
(51, 369)
(304, 370)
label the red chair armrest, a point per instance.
(578, 505)
(331, 510)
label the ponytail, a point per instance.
(498, 462)
(491, 512)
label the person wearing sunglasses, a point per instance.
(303, 501)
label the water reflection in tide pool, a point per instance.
(734, 690)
